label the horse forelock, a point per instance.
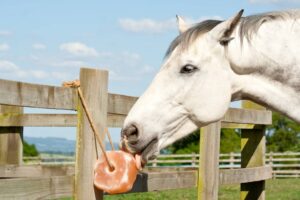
(189, 36)
(248, 27)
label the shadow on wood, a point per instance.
(253, 190)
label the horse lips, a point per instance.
(122, 178)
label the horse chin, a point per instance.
(150, 151)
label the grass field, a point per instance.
(279, 189)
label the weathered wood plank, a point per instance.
(38, 120)
(236, 126)
(11, 146)
(52, 120)
(36, 188)
(38, 96)
(156, 181)
(94, 88)
(245, 175)
(44, 96)
(208, 183)
(30, 171)
(120, 104)
(115, 120)
(247, 116)
(171, 180)
(61, 186)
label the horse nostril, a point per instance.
(130, 133)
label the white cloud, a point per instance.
(78, 49)
(5, 33)
(154, 26)
(274, 1)
(7, 66)
(4, 47)
(10, 70)
(39, 46)
(147, 25)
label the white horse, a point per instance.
(211, 64)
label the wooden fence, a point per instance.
(40, 182)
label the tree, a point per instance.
(230, 142)
(29, 149)
(283, 134)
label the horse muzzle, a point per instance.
(133, 142)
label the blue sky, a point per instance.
(47, 42)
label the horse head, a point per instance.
(192, 89)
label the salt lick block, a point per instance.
(122, 178)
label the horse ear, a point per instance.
(182, 26)
(224, 30)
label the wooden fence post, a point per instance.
(253, 155)
(154, 163)
(194, 159)
(94, 88)
(11, 146)
(271, 163)
(208, 182)
(231, 160)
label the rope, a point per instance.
(76, 84)
(110, 140)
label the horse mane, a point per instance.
(248, 27)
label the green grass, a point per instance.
(279, 189)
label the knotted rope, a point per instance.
(76, 84)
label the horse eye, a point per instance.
(187, 69)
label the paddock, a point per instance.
(18, 181)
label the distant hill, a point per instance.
(56, 145)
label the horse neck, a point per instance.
(271, 50)
(267, 71)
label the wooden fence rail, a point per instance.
(115, 118)
(62, 177)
